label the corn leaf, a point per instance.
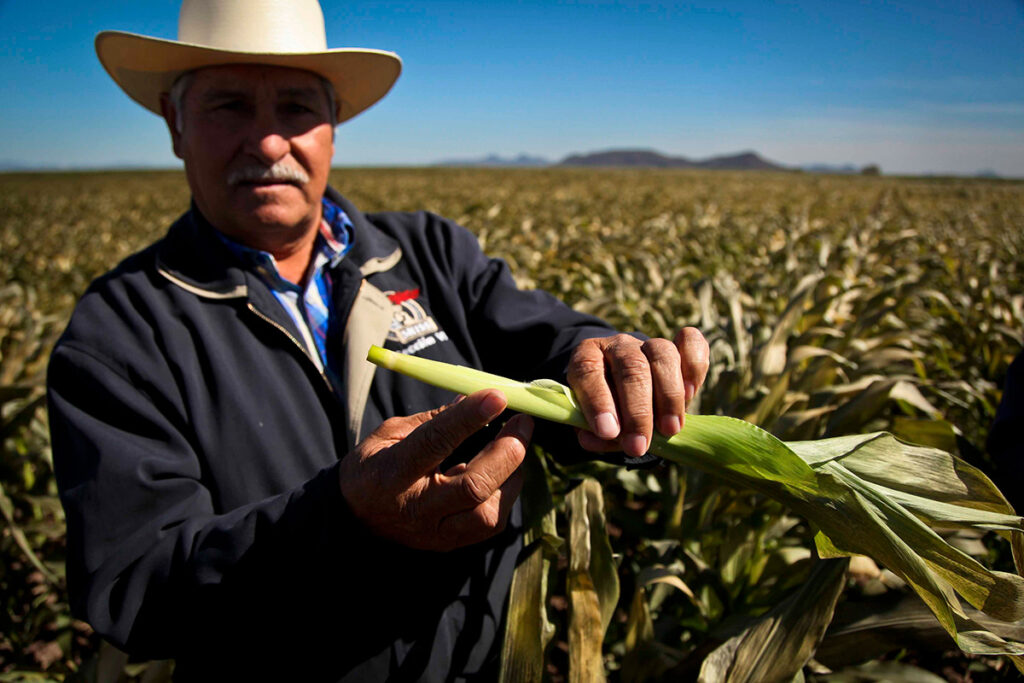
(776, 646)
(527, 629)
(842, 485)
(771, 359)
(593, 582)
(641, 662)
(646, 659)
(867, 629)
(927, 432)
(7, 511)
(882, 672)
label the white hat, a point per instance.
(276, 32)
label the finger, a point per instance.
(694, 359)
(487, 519)
(485, 473)
(441, 433)
(397, 428)
(631, 375)
(586, 376)
(669, 389)
(591, 442)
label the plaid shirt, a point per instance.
(309, 304)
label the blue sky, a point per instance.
(915, 86)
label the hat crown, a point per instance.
(263, 26)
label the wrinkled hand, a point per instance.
(393, 484)
(626, 386)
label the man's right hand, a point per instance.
(393, 483)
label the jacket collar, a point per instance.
(192, 257)
(372, 251)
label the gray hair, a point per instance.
(184, 81)
(177, 97)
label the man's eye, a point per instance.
(297, 108)
(229, 106)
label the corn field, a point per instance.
(833, 305)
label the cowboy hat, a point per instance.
(275, 32)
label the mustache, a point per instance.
(279, 171)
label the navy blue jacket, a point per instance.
(196, 448)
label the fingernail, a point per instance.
(670, 424)
(606, 426)
(492, 405)
(689, 390)
(634, 445)
(523, 427)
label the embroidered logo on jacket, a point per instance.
(409, 321)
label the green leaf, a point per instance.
(845, 487)
(926, 480)
(776, 646)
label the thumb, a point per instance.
(431, 442)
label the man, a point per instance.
(243, 492)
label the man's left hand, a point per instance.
(627, 387)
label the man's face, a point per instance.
(257, 142)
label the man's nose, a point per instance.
(267, 140)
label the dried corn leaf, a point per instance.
(771, 359)
(593, 582)
(927, 432)
(882, 672)
(856, 413)
(527, 629)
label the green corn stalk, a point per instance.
(868, 494)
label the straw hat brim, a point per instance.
(146, 67)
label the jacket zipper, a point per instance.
(298, 344)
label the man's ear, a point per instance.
(170, 115)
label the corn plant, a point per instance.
(870, 495)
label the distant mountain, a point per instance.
(831, 168)
(496, 160)
(742, 161)
(13, 165)
(627, 157)
(652, 159)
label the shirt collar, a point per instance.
(333, 241)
